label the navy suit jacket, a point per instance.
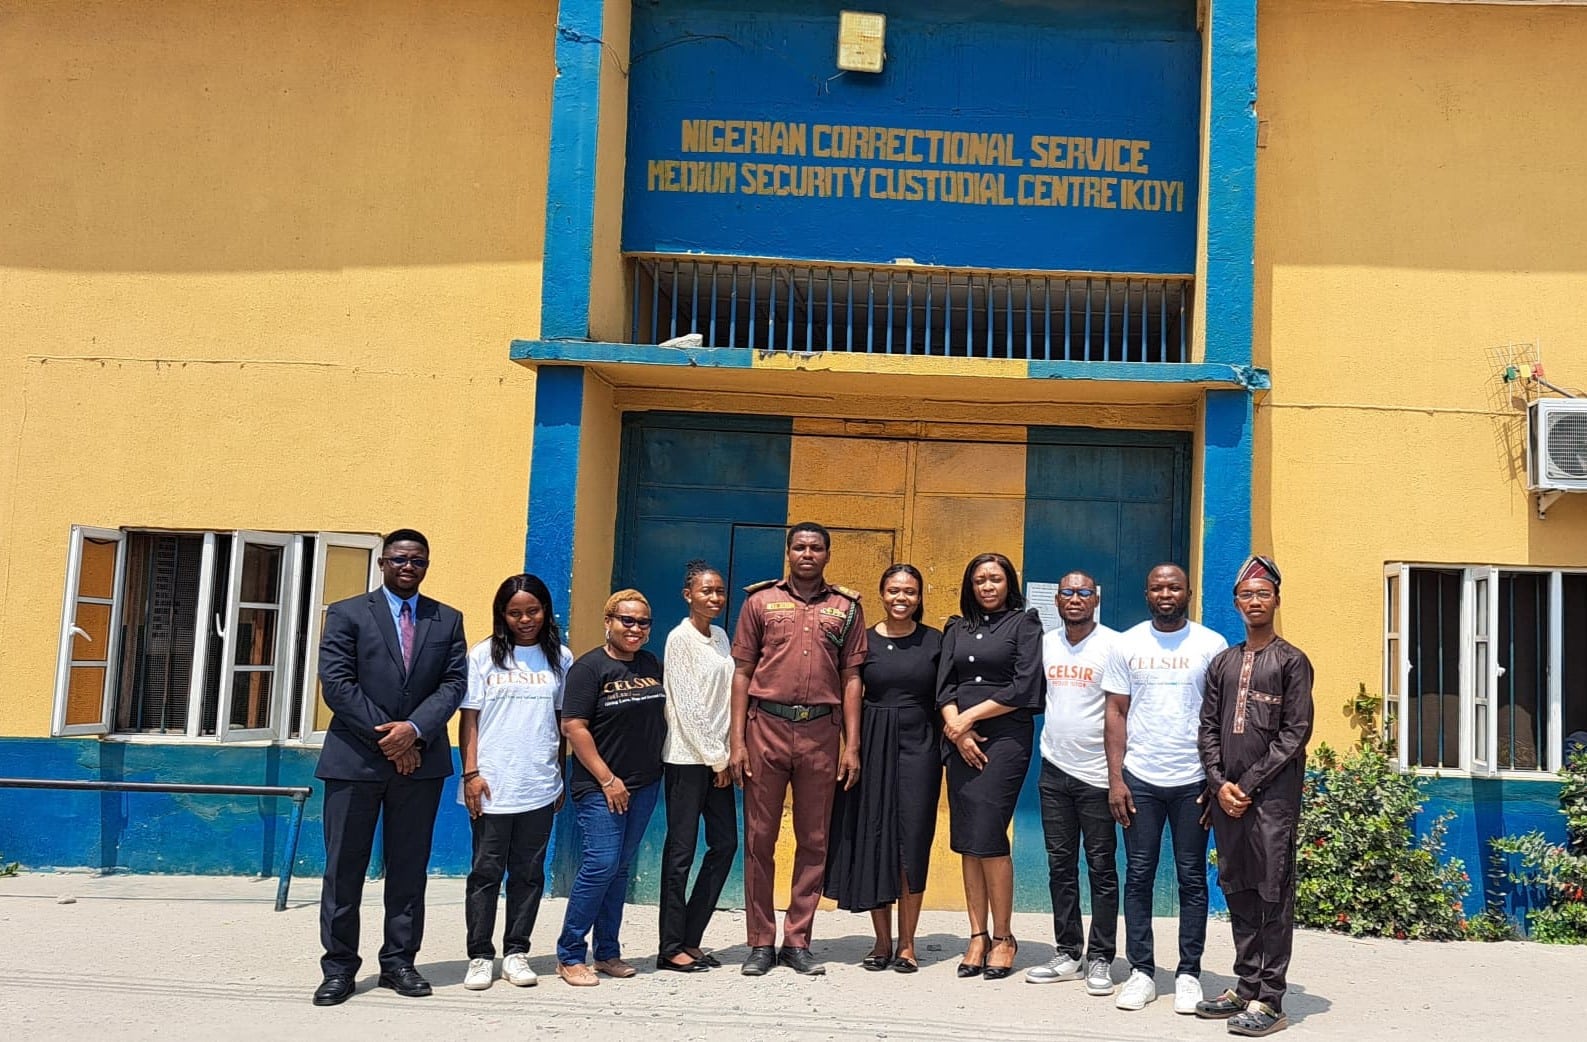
(364, 684)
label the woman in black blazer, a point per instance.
(989, 688)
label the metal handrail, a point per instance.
(298, 794)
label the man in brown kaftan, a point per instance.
(1255, 722)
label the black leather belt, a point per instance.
(798, 714)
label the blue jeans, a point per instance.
(1176, 807)
(601, 886)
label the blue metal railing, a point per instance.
(768, 305)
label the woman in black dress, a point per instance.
(883, 827)
(989, 688)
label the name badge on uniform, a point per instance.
(780, 606)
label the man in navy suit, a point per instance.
(393, 668)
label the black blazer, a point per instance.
(364, 684)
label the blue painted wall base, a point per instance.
(219, 835)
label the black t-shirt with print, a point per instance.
(625, 706)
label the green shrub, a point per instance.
(8, 869)
(1552, 877)
(1360, 868)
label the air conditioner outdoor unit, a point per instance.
(1556, 445)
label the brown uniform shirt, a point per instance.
(794, 644)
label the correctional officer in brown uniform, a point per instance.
(796, 684)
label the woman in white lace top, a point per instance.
(698, 679)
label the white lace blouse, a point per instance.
(698, 677)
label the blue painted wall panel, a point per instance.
(1112, 503)
(554, 481)
(1226, 507)
(1484, 809)
(570, 179)
(1015, 75)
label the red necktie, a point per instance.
(405, 633)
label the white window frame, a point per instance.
(1396, 659)
(311, 657)
(1478, 751)
(214, 622)
(64, 661)
(280, 669)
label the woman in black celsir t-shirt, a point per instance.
(614, 717)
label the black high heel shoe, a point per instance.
(1000, 972)
(972, 969)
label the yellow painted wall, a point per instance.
(600, 447)
(609, 304)
(259, 265)
(1418, 206)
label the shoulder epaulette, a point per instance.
(763, 584)
(852, 595)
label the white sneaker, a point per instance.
(1187, 992)
(479, 975)
(1099, 977)
(1059, 967)
(1138, 992)
(515, 970)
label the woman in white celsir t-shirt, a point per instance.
(511, 743)
(699, 680)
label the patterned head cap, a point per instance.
(1258, 567)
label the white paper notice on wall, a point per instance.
(861, 41)
(1044, 598)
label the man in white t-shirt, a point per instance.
(1155, 681)
(1074, 790)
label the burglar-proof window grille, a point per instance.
(1478, 675)
(909, 310)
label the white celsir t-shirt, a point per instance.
(1071, 729)
(1165, 675)
(518, 730)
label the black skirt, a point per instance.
(981, 802)
(883, 827)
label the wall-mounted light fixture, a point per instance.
(861, 39)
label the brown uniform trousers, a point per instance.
(782, 754)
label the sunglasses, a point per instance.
(400, 562)
(1083, 592)
(630, 622)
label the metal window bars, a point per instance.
(787, 306)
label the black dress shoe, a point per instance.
(800, 961)
(991, 972)
(692, 966)
(967, 969)
(761, 958)
(405, 981)
(335, 990)
(708, 960)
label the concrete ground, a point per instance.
(163, 957)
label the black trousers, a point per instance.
(691, 797)
(514, 845)
(352, 808)
(1264, 937)
(1072, 812)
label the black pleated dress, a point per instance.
(883, 827)
(999, 660)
